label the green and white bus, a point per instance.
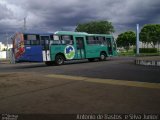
(80, 45)
(55, 48)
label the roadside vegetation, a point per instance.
(149, 38)
(126, 41)
(132, 53)
(96, 27)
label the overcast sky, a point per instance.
(54, 15)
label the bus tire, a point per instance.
(49, 63)
(59, 59)
(102, 56)
(91, 59)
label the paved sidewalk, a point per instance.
(35, 93)
(148, 61)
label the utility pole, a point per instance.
(7, 40)
(24, 24)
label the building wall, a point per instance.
(3, 54)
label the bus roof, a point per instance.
(70, 33)
(36, 33)
(65, 33)
(81, 33)
(108, 35)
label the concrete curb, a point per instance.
(147, 62)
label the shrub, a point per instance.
(147, 50)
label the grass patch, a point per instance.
(131, 53)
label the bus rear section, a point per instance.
(29, 47)
(111, 45)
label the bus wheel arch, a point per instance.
(103, 56)
(59, 59)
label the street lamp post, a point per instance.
(137, 41)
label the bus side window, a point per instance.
(104, 41)
(91, 40)
(67, 39)
(34, 42)
(31, 39)
(100, 40)
(27, 42)
(55, 40)
(42, 42)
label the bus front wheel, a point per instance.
(59, 60)
(102, 56)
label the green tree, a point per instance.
(126, 39)
(96, 27)
(150, 34)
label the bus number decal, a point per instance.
(69, 52)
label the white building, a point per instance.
(4, 47)
(4, 54)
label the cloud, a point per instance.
(53, 15)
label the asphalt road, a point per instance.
(118, 68)
(113, 86)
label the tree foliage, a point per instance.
(150, 34)
(96, 27)
(126, 39)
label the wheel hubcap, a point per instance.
(102, 57)
(60, 60)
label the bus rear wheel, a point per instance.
(59, 60)
(102, 56)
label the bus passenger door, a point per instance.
(45, 40)
(110, 49)
(80, 48)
